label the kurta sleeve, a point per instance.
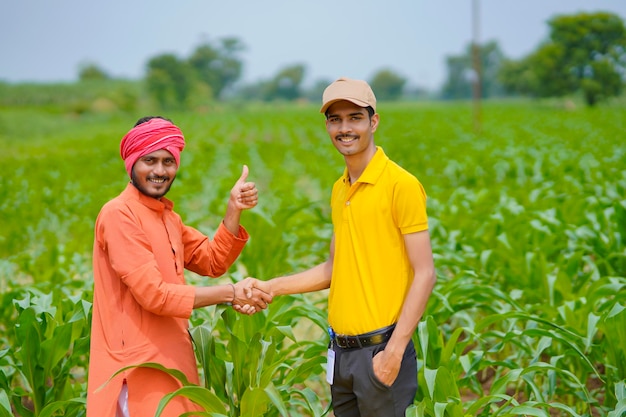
(212, 257)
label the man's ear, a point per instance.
(374, 122)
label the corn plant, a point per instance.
(258, 366)
(50, 345)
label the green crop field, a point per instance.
(527, 220)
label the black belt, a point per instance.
(375, 337)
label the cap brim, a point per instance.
(329, 103)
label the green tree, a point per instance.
(517, 77)
(388, 85)
(458, 82)
(461, 74)
(218, 66)
(285, 85)
(314, 93)
(170, 81)
(90, 71)
(585, 53)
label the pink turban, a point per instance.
(150, 136)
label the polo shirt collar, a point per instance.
(373, 170)
(151, 203)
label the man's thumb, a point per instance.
(244, 174)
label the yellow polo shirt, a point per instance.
(371, 269)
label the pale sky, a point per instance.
(46, 41)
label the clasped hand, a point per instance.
(251, 296)
(250, 299)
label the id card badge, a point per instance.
(330, 366)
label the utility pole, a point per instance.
(477, 81)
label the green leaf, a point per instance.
(199, 395)
(5, 405)
(254, 402)
(527, 410)
(53, 350)
(411, 411)
(275, 397)
(312, 399)
(441, 384)
(63, 408)
(484, 401)
(205, 352)
(179, 375)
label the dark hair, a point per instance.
(370, 111)
(146, 118)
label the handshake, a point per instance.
(251, 295)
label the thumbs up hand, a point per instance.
(244, 195)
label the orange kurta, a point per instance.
(141, 302)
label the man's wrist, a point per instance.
(231, 302)
(396, 348)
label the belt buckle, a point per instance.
(365, 340)
(342, 341)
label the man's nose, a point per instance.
(345, 127)
(159, 169)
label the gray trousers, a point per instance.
(357, 392)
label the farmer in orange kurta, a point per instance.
(141, 302)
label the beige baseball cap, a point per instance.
(357, 91)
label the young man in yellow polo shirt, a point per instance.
(380, 268)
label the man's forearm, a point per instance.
(231, 219)
(218, 294)
(314, 279)
(412, 310)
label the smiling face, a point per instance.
(154, 173)
(351, 128)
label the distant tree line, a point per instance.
(584, 54)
